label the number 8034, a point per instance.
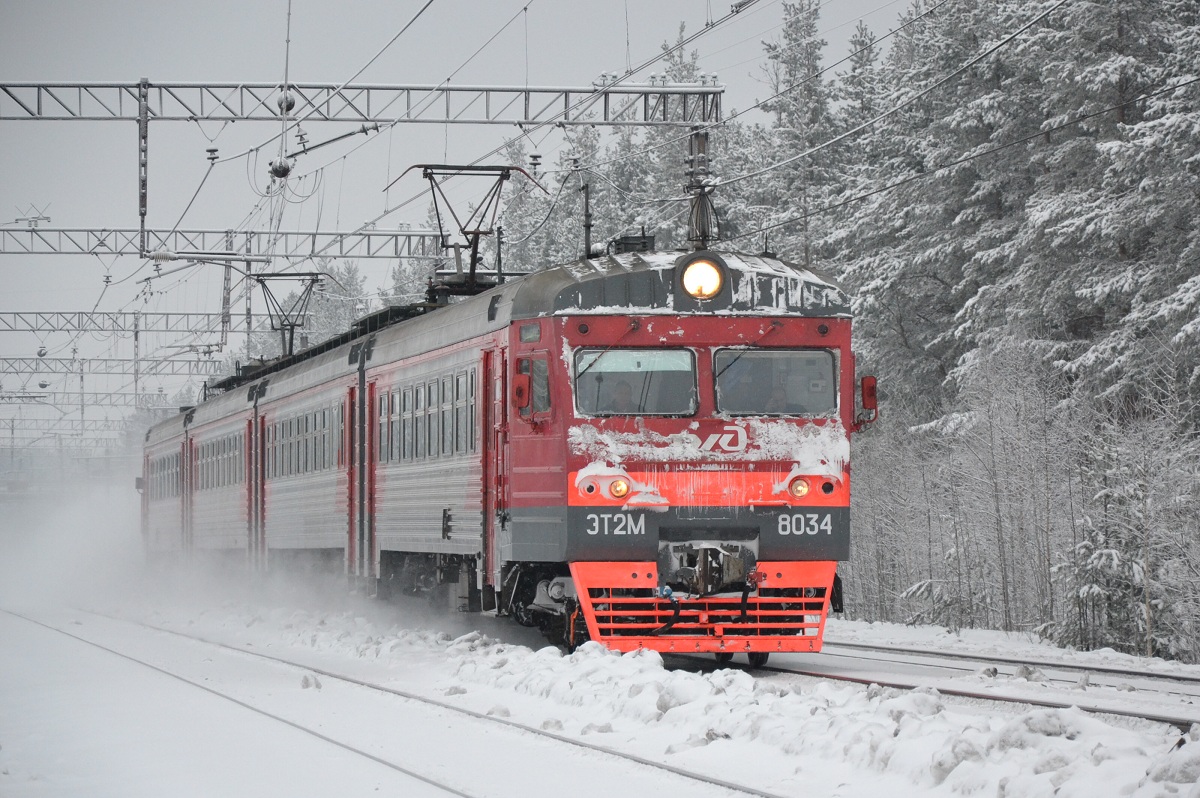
(805, 524)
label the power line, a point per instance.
(364, 68)
(735, 10)
(965, 159)
(900, 106)
(726, 120)
(431, 94)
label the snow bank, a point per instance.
(936, 748)
(774, 731)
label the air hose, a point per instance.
(667, 594)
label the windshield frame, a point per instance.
(739, 354)
(578, 370)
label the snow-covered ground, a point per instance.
(75, 720)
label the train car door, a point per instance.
(143, 488)
(360, 542)
(350, 463)
(187, 464)
(256, 490)
(494, 434)
(369, 559)
(258, 443)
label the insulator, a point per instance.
(212, 153)
(280, 168)
(160, 256)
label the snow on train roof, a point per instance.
(644, 282)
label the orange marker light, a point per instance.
(798, 487)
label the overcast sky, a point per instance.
(85, 173)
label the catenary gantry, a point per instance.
(375, 243)
(611, 104)
(145, 368)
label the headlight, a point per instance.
(702, 279)
(798, 487)
(618, 488)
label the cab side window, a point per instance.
(538, 369)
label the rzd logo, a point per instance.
(733, 439)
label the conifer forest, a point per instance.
(1009, 190)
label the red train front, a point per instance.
(684, 421)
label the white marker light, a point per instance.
(702, 279)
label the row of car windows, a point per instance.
(162, 476)
(428, 419)
(304, 443)
(219, 463)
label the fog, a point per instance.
(77, 544)
(69, 540)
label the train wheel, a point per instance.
(757, 658)
(724, 657)
(523, 615)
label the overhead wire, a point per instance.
(553, 204)
(840, 25)
(591, 168)
(341, 86)
(74, 340)
(965, 159)
(587, 98)
(859, 128)
(283, 107)
(899, 106)
(777, 95)
(428, 98)
(420, 106)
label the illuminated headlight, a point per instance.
(618, 488)
(702, 279)
(798, 487)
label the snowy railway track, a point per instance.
(447, 788)
(716, 786)
(1165, 678)
(911, 669)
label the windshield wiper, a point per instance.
(775, 325)
(633, 325)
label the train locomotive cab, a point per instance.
(683, 421)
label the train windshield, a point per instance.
(635, 382)
(794, 382)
